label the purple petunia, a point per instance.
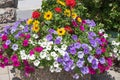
(80, 54)
(76, 76)
(26, 28)
(74, 37)
(52, 31)
(102, 60)
(15, 47)
(66, 57)
(98, 40)
(91, 34)
(58, 40)
(98, 51)
(90, 58)
(93, 43)
(7, 42)
(91, 23)
(77, 45)
(95, 63)
(85, 70)
(80, 63)
(49, 37)
(72, 51)
(84, 45)
(86, 50)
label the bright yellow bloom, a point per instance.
(48, 15)
(61, 31)
(79, 19)
(74, 15)
(29, 21)
(36, 23)
(60, 2)
(67, 12)
(35, 28)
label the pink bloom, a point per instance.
(91, 70)
(14, 58)
(103, 50)
(38, 49)
(28, 36)
(22, 35)
(83, 22)
(31, 52)
(74, 23)
(2, 65)
(5, 60)
(25, 62)
(109, 61)
(16, 63)
(82, 28)
(29, 69)
(103, 40)
(101, 67)
(5, 46)
(4, 37)
(25, 43)
(1, 56)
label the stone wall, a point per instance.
(7, 12)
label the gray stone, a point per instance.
(7, 15)
(6, 3)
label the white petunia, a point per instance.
(105, 35)
(36, 62)
(55, 48)
(52, 69)
(113, 42)
(48, 47)
(48, 57)
(50, 43)
(44, 44)
(43, 55)
(35, 36)
(101, 30)
(117, 44)
(80, 54)
(58, 69)
(40, 42)
(64, 47)
(31, 42)
(62, 52)
(24, 57)
(115, 50)
(31, 57)
(53, 54)
(56, 64)
(22, 52)
(21, 26)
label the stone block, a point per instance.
(7, 15)
(6, 3)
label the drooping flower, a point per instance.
(58, 9)
(35, 14)
(74, 23)
(61, 31)
(15, 47)
(70, 3)
(48, 15)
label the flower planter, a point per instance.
(45, 74)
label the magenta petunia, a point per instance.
(4, 37)
(14, 58)
(25, 43)
(5, 46)
(28, 36)
(31, 52)
(38, 49)
(16, 63)
(82, 28)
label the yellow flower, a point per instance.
(61, 31)
(48, 15)
(79, 19)
(74, 15)
(35, 28)
(67, 12)
(29, 21)
(60, 2)
(36, 23)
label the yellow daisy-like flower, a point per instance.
(79, 19)
(36, 23)
(29, 21)
(61, 31)
(35, 28)
(67, 12)
(48, 15)
(60, 2)
(74, 15)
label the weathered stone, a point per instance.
(6, 3)
(7, 15)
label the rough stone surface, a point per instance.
(6, 3)
(7, 15)
(45, 74)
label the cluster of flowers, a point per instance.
(41, 41)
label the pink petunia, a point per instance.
(5, 46)
(82, 28)
(91, 70)
(28, 36)
(4, 37)
(16, 63)
(25, 43)
(38, 49)
(31, 52)
(14, 58)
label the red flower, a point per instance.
(70, 3)
(4, 37)
(35, 14)
(58, 9)
(69, 29)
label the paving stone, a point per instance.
(3, 71)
